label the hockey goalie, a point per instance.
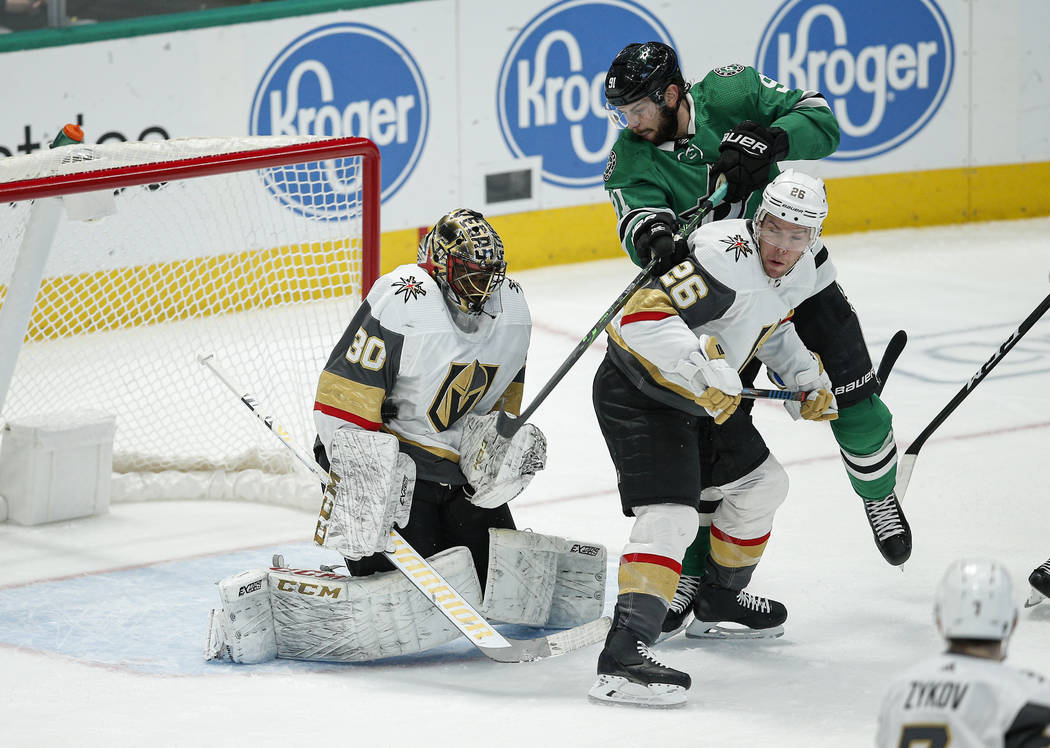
(406, 412)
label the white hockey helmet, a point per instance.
(975, 600)
(796, 198)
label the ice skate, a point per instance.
(681, 607)
(1040, 581)
(722, 613)
(890, 528)
(629, 673)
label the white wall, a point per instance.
(456, 89)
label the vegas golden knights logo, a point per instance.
(464, 386)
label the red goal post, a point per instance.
(257, 249)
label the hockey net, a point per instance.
(256, 249)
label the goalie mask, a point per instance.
(797, 199)
(464, 254)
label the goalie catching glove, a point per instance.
(496, 467)
(820, 404)
(715, 384)
(369, 491)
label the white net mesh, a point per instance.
(262, 267)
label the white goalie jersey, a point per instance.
(958, 701)
(720, 290)
(405, 366)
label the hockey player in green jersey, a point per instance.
(736, 123)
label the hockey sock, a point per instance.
(695, 560)
(864, 432)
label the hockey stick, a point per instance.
(889, 358)
(907, 463)
(753, 394)
(425, 577)
(508, 425)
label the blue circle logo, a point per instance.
(884, 68)
(345, 79)
(551, 92)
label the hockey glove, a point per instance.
(715, 384)
(654, 237)
(497, 468)
(746, 154)
(820, 404)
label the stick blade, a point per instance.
(904, 468)
(1034, 598)
(552, 645)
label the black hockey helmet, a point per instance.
(641, 70)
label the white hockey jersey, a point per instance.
(959, 701)
(405, 366)
(720, 290)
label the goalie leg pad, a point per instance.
(369, 491)
(333, 618)
(243, 629)
(543, 580)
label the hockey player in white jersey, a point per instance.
(666, 397)
(407, 430)
(966, 697)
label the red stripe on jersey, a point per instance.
(346, 415)
(644, 317)
(651, 558)
(737, 541)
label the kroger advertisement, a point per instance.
(459, 93)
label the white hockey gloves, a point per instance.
(714, 383)
(498, 468)
(369, 491)
(820, 404)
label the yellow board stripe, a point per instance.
(863, 203)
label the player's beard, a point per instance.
(668, 129)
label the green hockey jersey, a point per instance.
(643, 178)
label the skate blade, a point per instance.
(615, 689)
(1034, 599)
(665, 635)
(715, 630)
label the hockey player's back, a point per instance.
(969, 701)
(967, 697)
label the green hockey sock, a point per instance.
(864, 431)
(695, 560)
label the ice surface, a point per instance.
(102, 620)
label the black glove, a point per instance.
(654, 237)
(747, 152)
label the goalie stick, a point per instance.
(507, 425)
(425, 577)
(907, 463)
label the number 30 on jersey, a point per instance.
(367, 350)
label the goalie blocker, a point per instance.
(533, 580)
